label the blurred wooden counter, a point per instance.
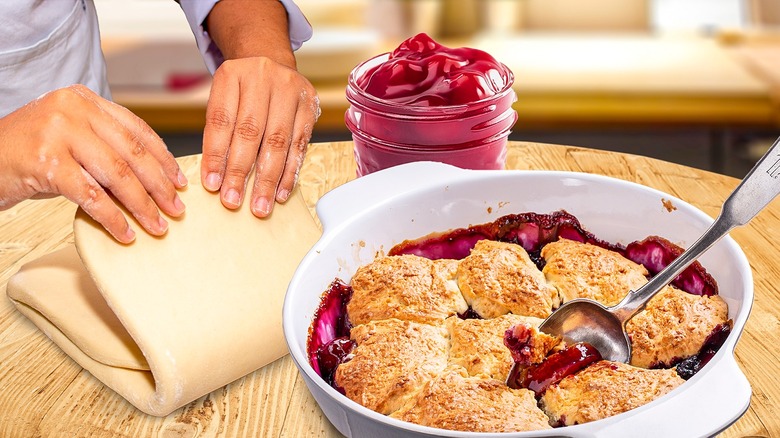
(561, 80)
(760, 54)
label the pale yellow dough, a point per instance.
(164, 321)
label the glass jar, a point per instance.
(386, 133)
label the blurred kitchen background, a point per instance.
(690, 81)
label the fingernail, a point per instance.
(232, 197)
(212, 181)
(129, 234)
(178, 204)
(261, 207)
(163, 225)
(283, 195)
(182, 179)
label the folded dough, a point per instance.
(164, 321)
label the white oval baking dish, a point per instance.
(368, 216)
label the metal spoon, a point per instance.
(585, 320)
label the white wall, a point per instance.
(147, 18)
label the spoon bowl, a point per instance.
(585, 320)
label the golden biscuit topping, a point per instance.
(605, 389)
(405, 287)
(455, 401)
(499, 278)
(582, 270)
(674, 325)
(393, 359)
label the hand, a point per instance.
(260, 113)
(96, 153)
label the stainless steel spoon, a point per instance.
(585, 320)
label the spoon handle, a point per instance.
(755, 192)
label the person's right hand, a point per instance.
(74, 143)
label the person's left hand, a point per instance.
(260, 113)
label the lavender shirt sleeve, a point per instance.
(197, 10)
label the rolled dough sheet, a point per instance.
(164, 321)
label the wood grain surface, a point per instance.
(45, 394)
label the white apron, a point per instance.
(69, 54)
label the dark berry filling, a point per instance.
(688, 367)
(469, 314)
(329, 332)
(333, 354)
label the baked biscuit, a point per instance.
(455, 401)
(605, 389)
(406, 287)
(582, 270)
(673, 326)
(498, 278)
(478, 344)
(391, 362)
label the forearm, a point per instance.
(246, 28)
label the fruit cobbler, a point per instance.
(443, 331)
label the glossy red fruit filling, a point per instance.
(422, 72)
(455, 244)
(655, 253)
(530, 230)
(533, 231)
(331, 326)
(538, 377)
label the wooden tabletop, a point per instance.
(44, 393)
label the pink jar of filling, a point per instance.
(427, 102)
